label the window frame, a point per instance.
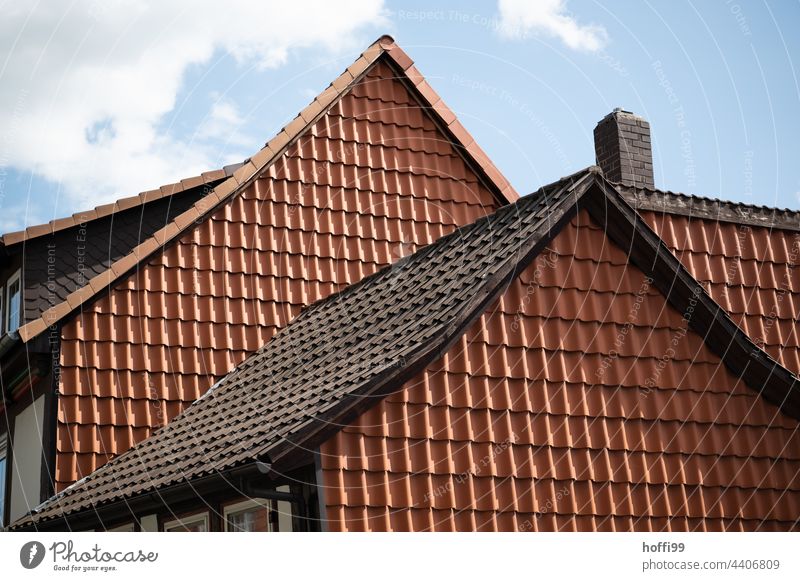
(16, 277)
(265, 503)
(4, 495)
(2, 310)
(175, 525)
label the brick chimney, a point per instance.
(622, 146)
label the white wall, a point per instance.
(26, 465)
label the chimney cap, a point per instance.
(617, 111)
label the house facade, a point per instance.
(362, 328)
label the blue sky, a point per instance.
(98, 103)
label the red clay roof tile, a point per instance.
(750, 271)
(327, 233)
(601, 454)
(600, 465)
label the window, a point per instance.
(26, 472)
(2, 480)
(149, 523)
(2, 311)
(191, 524)
(249, 516)
(13, 303)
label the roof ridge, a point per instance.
(384, 47)
(653, 189)
(738, 352)
(656, 199)
(120, 205)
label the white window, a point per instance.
(26, 477)
(13, 303)
(2, 479)
(197, 523)
(249, 516)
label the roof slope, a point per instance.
(578, 401)
(374, 330)
(60, 262)
(209, 178)
(372, 179)
(752, 271)
(276, 406)
(383, 48)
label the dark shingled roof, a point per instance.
(77, 254)
(209, 178)
(344, 353)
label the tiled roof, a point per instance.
(751, 271)
(59, 263)
(384, 48)
(339, 357)
(385, 324)
(208, 178)
(374, 176)
(555, 411)
(656, 200)
(746, 256)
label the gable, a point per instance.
(751, 271)
(372, 180)
(60, 262)
(579, 401)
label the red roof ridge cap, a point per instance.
(107, 209)
(235, 181)
(252, 168)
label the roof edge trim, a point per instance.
(691, 206)
(207, 179)
(253, 167)
(648, 252)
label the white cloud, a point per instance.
(520, 18)
(224, 123)
(85, 88)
